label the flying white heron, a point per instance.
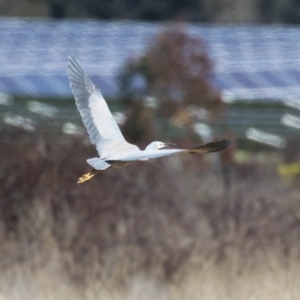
(104, 133)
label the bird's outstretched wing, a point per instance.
(210, 147)
(95, 114)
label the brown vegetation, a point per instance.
(161, 229)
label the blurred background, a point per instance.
(220, 226)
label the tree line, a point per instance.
(209, 11)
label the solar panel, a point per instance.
(273, 79)
(220, 81)
(295, 74)
(10, 86)
(243, 79)
(249, 62)
(42, 84)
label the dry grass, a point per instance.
(161, 230)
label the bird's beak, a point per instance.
(168, 144)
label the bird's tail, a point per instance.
(210, 147)
(97, 163)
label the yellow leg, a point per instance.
(87, 176)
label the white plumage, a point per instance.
(104, 132)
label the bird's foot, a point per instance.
(85, 177)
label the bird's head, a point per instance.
(158, 145)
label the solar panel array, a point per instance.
(249, 62)
(255, 62)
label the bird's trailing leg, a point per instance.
(87, 176)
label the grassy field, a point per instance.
(173, 228)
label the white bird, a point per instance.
(104, 132)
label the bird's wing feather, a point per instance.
(145, 154)
(95, 114)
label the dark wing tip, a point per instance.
(211, 147)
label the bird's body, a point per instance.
(114, 151)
